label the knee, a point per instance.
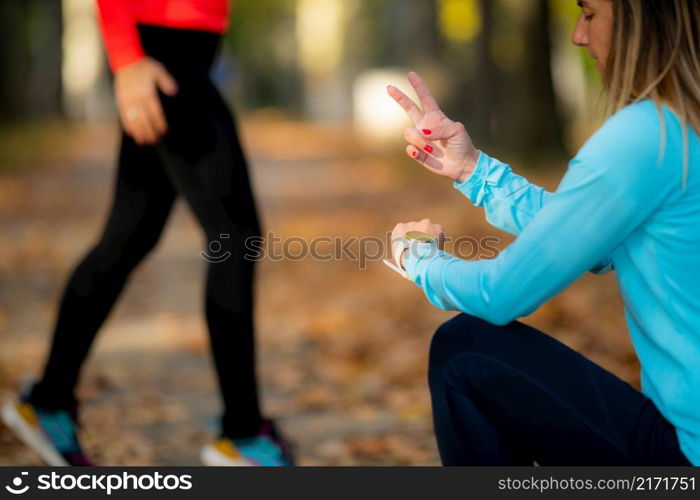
(454, 337)
(131, 250)
(456, 333)
(120, 252)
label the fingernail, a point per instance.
(414, 154)
(428, 148)
(427, 131)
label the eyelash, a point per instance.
(588, 17)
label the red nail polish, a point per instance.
(414, 154)
(428, 148)
(427, 131)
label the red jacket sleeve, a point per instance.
(121, 38)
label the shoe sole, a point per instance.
(213, 458)
(30, 436)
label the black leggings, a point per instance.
(513, 395)
(200, 159)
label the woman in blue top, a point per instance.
(505, 393)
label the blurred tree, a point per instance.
(30, 58)
(261, 51)
(529, 120)
(273, 65)
(323, 33)
(410, 33)
(87, 92)
(11, 49)
(486, 78)
(503, 77)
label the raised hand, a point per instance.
(436, 142)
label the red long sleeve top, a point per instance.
(118, 20)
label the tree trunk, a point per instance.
(545, 132)
(30, 58)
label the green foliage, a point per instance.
(253, 22)
(260, 41)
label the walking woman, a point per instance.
(178, 139)
(504, 393)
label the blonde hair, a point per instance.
(655, 54)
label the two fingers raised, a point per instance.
(426, 99)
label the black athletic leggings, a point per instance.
(513, 395)
(200, 159)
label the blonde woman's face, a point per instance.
(594, 29)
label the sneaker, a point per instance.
(267, 449)
(50, 433)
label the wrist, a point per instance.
(468, 167)
(409, 242)
(402, 264)
(128, 64)
(413, 243)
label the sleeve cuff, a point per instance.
(472, 186)
(420, 256)
(126, 57)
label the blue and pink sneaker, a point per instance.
(267, 449)
(50, 433)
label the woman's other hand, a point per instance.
(425, 226)
(436, 142)
(136, 91)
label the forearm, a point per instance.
(452, 284)
(509, 200)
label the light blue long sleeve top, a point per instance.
(623, 204)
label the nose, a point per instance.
(580, 35)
